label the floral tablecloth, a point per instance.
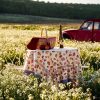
(57, 64)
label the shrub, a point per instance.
(91, 79)
(14, 85)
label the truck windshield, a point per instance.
(87, 25)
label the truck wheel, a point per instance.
(65, 36)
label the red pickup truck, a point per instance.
(88, 31)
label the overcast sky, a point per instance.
(74, 1)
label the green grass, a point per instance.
(14, 18)
(14, 38)
(14, 85)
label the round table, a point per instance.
(58, 64)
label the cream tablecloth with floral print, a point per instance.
(57, 64)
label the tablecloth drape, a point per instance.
(57, 64)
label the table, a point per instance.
(58, 64)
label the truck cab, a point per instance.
(88, 31)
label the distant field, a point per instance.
(29, 19)
(14, 38)
(49, 27)
(15, 33)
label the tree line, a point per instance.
(62, 10)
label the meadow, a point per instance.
(13, 41)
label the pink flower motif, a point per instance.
(70, 54)
(63, 59)
(74, 54)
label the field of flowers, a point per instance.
(14, 85)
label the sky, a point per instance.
(74, 1)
